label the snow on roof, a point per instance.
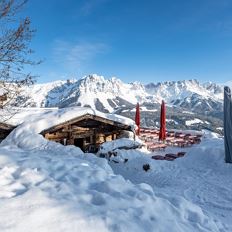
(66, 114)
(16, 116)
(21, 115)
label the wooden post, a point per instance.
(94, 137)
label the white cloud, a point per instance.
(75, 56)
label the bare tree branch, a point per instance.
(15, 38)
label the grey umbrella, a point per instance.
(228, 124)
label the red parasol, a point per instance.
(162, 133)
(137, 119)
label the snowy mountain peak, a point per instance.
(93, 78)
(109, 94)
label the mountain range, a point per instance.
(188, 99)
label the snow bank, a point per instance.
(123, 143)
(54, 190)
(45, 186)
(211, 135)
(200, 178)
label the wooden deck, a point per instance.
(177, 139)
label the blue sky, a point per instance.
(134, 40)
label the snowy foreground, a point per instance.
(45, 186)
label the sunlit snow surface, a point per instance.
(45, 186)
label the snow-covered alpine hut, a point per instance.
(87, 128)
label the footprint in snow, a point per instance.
(98, 200)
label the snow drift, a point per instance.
(45, 186)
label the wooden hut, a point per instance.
(5, 130)
(87, 131)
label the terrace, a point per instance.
(174, 139)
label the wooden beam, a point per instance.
(54, 137)
(76, 136)
(76, 128)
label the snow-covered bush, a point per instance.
(109, 148)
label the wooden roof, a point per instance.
(87, 121)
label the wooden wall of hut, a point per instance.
(86, 132)
(88, 140)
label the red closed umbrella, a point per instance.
(137, 118)
(162, 132)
